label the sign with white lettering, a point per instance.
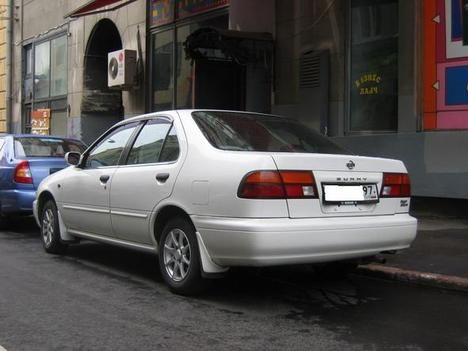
(40, 121)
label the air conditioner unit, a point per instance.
(121, 69)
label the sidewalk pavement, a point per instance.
(438, 257)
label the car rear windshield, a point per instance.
(256, 132)
(45, 147)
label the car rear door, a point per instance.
(148, 177)
(85, 200)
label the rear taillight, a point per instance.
(396, 185)
(23, 173)
(278, 185)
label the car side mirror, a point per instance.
(73, 158)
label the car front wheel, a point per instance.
(179, 257)
(50, 232)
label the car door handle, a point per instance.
(104, 178)
(162, 177)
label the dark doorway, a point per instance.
(232, 69)
(101, 107)
(219, 85)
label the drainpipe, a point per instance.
(9, 66)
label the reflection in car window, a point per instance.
(170, 151)
(149, 143)
(45, 147)
(256, 132)
(107, 152)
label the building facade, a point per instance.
(396, 79)
(5, 23)
(60, 66)
(382, 77)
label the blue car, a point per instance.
(25, 160)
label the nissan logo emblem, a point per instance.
(350, 165)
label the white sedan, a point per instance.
(208, 190)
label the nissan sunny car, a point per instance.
(209, 190)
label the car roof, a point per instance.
(189, 112)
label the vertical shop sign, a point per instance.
(40, 122)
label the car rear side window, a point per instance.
(157, 142)
(45, 147)
(256, 132)
(170, 151)
(108, 151)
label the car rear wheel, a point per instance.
(50, 232)
(179, 257)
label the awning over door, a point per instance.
(98, 6)
(241, 47)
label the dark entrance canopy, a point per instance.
(233, 45)
(98, 6)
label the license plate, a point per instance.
(343, 194)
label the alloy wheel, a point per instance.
(177, 255)
(48, 226)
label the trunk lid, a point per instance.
(44, 166)
(345, 174)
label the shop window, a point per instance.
(374, 65)
(41, 70)
(184, 67)
(163, 78)
(28, 76)
(58, 65)
(172, 72)
(45, 82)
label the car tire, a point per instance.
(50, 231)
(179, 257)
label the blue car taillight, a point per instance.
(23, 173)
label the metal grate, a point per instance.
(310, 70)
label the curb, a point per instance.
(443, 281)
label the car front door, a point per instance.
(147, 177)
(85, 205)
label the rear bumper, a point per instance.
(18, 201)
(279, 241)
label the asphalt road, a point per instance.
(99, 297)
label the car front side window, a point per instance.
(107, 152)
